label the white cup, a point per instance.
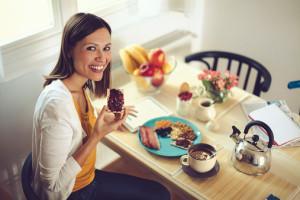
(197, 163)
(183, 107)
(205, 110)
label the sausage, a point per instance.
(144, 136)
(153, 139)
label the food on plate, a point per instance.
(163, 123)
(186, 131)
(175, 133)
(115, 102)
(163, 132)
(149, 137)
(182, 143)
(163, 128)
(181, 134)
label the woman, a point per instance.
(66, 132)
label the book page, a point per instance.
(284, 129)
(147, 109)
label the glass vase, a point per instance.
(217, 96)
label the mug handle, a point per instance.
(184, 160)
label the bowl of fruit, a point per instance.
(148, 69)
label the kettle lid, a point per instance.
(267, 130)
(255, 144)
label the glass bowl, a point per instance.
(152, 84)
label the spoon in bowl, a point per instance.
(213, 154)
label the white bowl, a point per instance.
(145, 83)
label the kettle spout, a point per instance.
(235, 134)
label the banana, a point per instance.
(142, 50)
(129, 63)
(138, 53)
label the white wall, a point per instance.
(266, 30)
(18, 98)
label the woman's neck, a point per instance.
(75, 83)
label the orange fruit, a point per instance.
(167, 68)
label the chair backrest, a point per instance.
(294, 84)
(263, 76)
(26, 179)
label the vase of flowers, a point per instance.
(217, 85)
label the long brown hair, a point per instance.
(78, 27)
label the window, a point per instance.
(24, 18)
(32, 37)
(103, 7)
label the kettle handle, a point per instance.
(264, 126)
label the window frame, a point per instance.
(29, 52)
(41, 49)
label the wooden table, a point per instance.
(283, 179)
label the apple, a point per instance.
(157, 58)
(158, 77)
(146, 70)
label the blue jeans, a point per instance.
(114, 186)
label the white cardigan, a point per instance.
(57, 133)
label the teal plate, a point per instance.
(166, 149)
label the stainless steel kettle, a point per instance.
(251, 156)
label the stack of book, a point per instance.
(284, 124)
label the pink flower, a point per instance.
(220, 84)
(216, 81)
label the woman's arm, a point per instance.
(101, 128)
(56, 126)
(57, 167)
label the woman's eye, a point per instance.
(92, 48)
(107, 49)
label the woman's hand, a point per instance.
(109, 116)
(130, 111)
(105, 122)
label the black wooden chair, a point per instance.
(26, 179)
(214, 59)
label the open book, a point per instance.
(285, 130)
(147, 108)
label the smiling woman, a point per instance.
(85, 54)
(65, 129)
(92, 55)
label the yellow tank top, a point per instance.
(87, 173)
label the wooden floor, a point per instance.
(125, 167)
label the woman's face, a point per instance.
(92, 54)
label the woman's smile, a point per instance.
(97, 68)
